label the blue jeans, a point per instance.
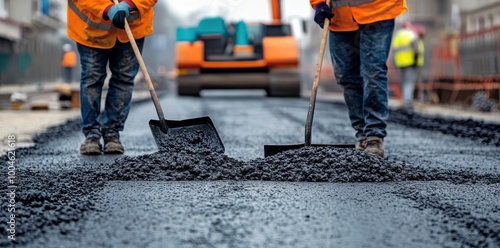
(68, 74)
(359, 59)
(124, 67)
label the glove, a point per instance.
(117, 14)
(322, 12)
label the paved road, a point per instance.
(84, 206)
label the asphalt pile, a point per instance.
(308, 164)
(198, 136)
(480, 101)
(487, 133)
(45, 199)
(48, 198)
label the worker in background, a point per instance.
(360, 39)
(406, 58)
(68, 62)
(97, 28)
(420, 61)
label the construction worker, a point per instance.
(407, 57)
(360, 39)
(97, 28)
(68, 62)
(420, 31)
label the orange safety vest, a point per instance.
(350, 13)
(86, 25)
(69, 59)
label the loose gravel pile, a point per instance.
(311, 164)
(45, 199)
(481, 102)
(308, 164)
(488, 133)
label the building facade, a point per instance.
(30, 40)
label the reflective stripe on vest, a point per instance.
(100, 26)
(342, 3)
(403, 48)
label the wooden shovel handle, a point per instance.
(144, 70)
(314, 91)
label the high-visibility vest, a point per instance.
(69, 59)
(404, 48)
(87, 26)
(348, 14)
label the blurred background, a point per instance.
(461, 40)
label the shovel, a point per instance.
(197, 132)
(270, 150)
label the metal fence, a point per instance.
(479, 53)
(465, 64)
(34, 58)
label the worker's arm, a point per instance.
(143, 5)
(140, 5)
(322, 11)
(316, 2)
(99, 7)
(414, 45)
(95, 7)
(119, 12)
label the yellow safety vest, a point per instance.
(403, 48)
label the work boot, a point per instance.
(91, 146)
(113, 145)
(375, 145)
(361, 145)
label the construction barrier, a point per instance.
(465, 64)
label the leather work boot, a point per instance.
(361, 145)
(91, 146)
(113, 145)
(375, 145)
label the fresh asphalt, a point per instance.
(438, 185)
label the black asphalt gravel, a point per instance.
(308, 164)
(488, 133)
(54, 193)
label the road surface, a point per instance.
(438, 185)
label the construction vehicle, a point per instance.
(218, 55)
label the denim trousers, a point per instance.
(359, 59)
(124, 67)
(68, 74)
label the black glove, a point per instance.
(322, 12)
(117, 14)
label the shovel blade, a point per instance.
(270, 150)
(197, 133)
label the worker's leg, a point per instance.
(375, 42)
(93, 63)
(344, 51)
(124, 67)
(67, 74)
(402, 78)
(408, 85)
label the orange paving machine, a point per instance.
(219, 55)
